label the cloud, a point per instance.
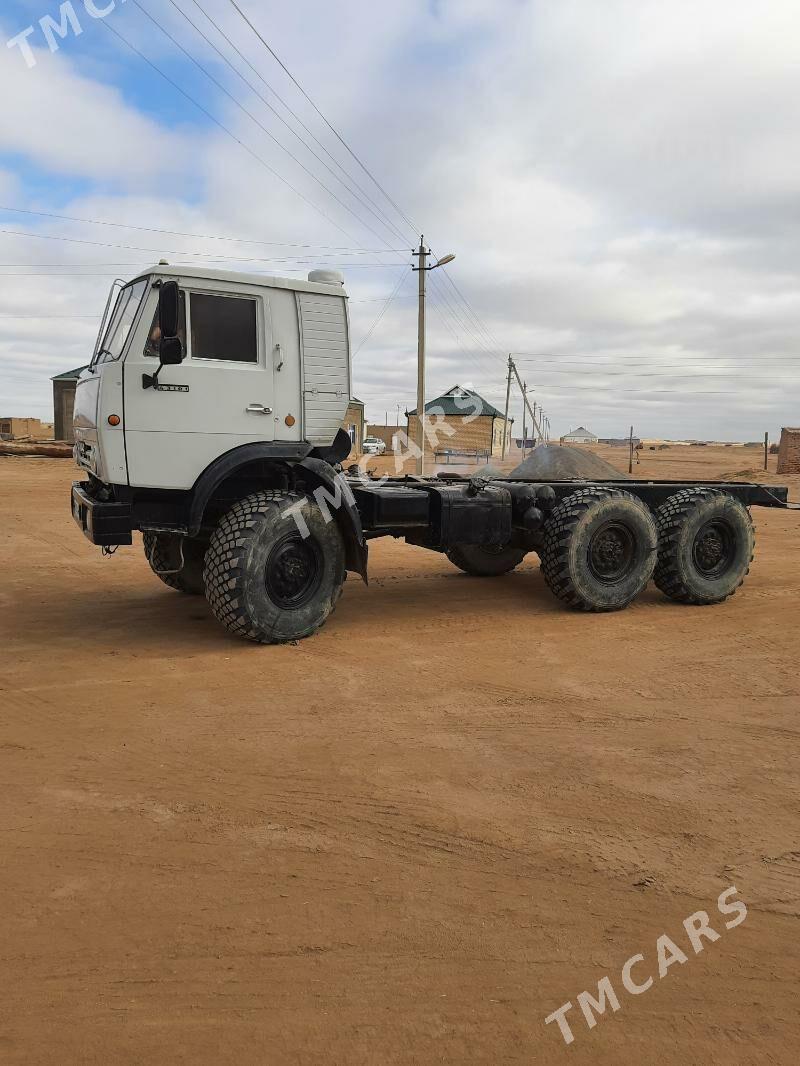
(619, 182)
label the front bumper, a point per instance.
(103, 522)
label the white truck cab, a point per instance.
(264, 360)
(209, 416)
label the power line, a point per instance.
(446, 319)
(460, 319)
(196, 236)
(545, 389)
(176, 251)
(670, 373)
(252, 117)
(493, 342)
(381, 216)
(333, 130)
(383, 310)
(112, 29)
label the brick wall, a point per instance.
(353, 423)
(25, 427)
(384, 433)
(477, 435)
(789, 452)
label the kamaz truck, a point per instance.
(210, 421)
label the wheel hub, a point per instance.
(292, 572)
(713, 549)
(611, 552)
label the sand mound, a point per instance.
(489, 472)
(555, 462)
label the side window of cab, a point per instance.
(224, 328)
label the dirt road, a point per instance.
(407, 840)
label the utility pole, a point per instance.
(422, 269)
(630, 458)
(508, 400)
(524, 413)
(422, 255)
(533, 431)
(766, 451)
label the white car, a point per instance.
(374, 446)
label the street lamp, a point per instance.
(422, 269)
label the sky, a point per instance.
(619, 182)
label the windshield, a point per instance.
(122, 318)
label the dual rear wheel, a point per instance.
(602, 546)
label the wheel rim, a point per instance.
(714, 548)
(612, 553)
(493, 549)
(293, 571)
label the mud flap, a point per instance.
(334, 496)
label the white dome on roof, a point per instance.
(326, 277)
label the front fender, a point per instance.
(226, 465)
(333, 494)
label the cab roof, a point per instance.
(233, 277)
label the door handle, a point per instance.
(258, 409)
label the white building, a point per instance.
(579, 436)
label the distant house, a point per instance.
(64, 386)
(467, 423)
(621, 442)
(579, 436)
(353, 424)
(16, 428)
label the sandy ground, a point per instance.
(407, 840)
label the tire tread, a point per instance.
(670, 517)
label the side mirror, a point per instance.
(169, 308)
(170, 351)
(170, 346)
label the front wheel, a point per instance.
(275, 568)
(599, 549)
(480, 561)
(706, 544)
(177, 561)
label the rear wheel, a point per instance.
(270, 578)
(480, 561)
(599, 549)
(706, 545)
(177, 561)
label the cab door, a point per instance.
(220, 397)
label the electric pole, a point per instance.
(422, 269)
(524, 414)
(508, 400)
(422, 255)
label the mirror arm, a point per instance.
(150, 381)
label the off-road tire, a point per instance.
(599, 549)
(478, 561)
(690, 524)
(264, 580)
(184, 573)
